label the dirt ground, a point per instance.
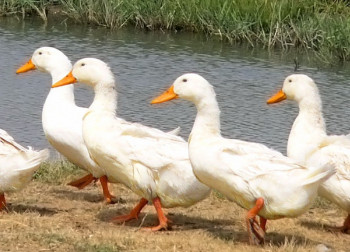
(45, 217)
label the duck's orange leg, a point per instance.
(108, 196)
(164, 223)
(263, 223)
(255, 232)
(82, 182)
(134, 214)
(2, 201)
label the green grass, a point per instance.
(322, 26)
(38, 7)
(57, 172)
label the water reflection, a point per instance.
(146, 63)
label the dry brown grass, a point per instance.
(46, 217)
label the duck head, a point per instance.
(190, 86)
(46, 59)
(89, 71)
(296, 87)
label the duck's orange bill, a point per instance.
(166, 96)
(69, 79)
(26, 67)
(279, 96)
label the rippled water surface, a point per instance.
(146, 63)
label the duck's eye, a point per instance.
(184, 80)
(40, 53)
(82, 64)
(290, 80)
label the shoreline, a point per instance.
(322, 27)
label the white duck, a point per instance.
(252, 175)
(309, 143)
(17, 165)
(62, 123)
(152, 163)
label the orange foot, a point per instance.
(109, 198)
(263, 223)
(164, 222)
(165, 225)
(134, 213)
(255, 232)
(82, 182)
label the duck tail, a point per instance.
(320, 174)
(17, 170)
(34, 159)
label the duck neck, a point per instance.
(308, 129)
(65, 93)
(105, 97)
(310, 112)
(207, 121)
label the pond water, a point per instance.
(146, 63)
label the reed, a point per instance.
(24, 7)
(322, 25)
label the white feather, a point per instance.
(17, 163)
(150, 162)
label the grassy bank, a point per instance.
(58, 172)
(322, 26)
(48, 215)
